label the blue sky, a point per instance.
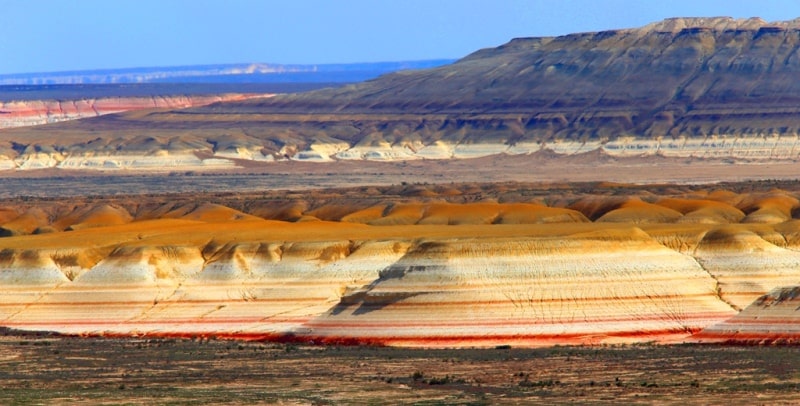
(54, 35)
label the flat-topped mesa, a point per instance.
(707, 88)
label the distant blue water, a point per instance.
(93, 91)
(325, 73)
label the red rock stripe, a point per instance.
(373, 324)
(366, 325)
(532, 340)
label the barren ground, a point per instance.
(51, 369)
(307, 175)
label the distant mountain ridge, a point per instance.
(223, 73)
(702, 87)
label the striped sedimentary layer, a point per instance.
(161, 142)
(25, 113)
(591, 269)
(773, 318)
(586, 288)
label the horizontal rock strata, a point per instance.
(401, 271)
(36, 112)
(772, 319)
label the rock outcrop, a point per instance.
(773, 318)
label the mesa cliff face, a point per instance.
(710, 88)
(589, 268)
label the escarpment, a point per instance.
(414, 266)
(701, 88)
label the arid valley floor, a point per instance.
(42, 369)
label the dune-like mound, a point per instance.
(28, 267)
(26, 223)
(101, 216)
(366, 216)
(216, 213)
(637, 211)
(400, 214)
(773, 207)
(522, 213)
(746, 265)
(594, 207)
(7, 214)
(703, 211)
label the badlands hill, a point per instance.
(459, 265)
(686, 87)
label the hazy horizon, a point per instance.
(46, 36)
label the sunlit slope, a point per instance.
(773, 318)
(416, 272)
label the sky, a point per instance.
(58, 35)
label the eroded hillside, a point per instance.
(458, 265)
